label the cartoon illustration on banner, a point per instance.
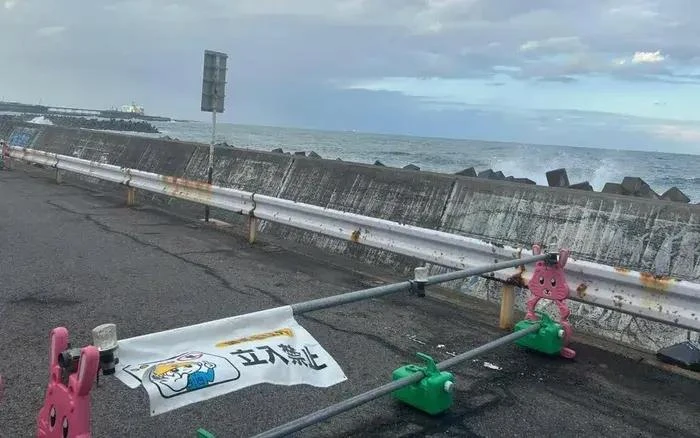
(185, 373)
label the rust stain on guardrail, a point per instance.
(188, 183)
(197, 190)
(648, 280)
(517, 279)
(657, 282)
(581, 290)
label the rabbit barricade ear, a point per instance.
(58, 339)
(563, 257)
(87, 371)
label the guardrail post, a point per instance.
(507, 306)
(59, 176)
(130, 197)
(253, 223)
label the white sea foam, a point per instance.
(41, 120)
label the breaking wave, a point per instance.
(41, 120)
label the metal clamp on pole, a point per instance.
(551, 259)
(104, 337)
(420, 279)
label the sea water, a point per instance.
(597, 166)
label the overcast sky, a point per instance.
(609, 73)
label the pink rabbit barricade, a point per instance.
(66, 408)
(548, 282)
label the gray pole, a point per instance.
(213, 137)
(336, 300)
(346, 405)
(210, 170)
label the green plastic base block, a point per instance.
(201, 433)
(432, 394)
(546, 340)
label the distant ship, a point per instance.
(132, 111)
(133, 108)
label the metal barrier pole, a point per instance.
(350, 297)
(346, 405)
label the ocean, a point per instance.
(597, 166)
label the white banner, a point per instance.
(192, 364)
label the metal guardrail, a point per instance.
(667, 300)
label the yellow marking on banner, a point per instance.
(280, 332)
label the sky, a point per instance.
(621, 74)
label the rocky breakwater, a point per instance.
(630, 185)
(85, 123)
(487, 174)
(635, 186)
(555, 178)
(104, 124)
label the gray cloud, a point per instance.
(562, 79)
(105, 53)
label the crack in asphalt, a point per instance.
(104, 227)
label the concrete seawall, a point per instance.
(657, 236)
(404, 197)
(256, 172)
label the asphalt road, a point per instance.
(77, 258)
